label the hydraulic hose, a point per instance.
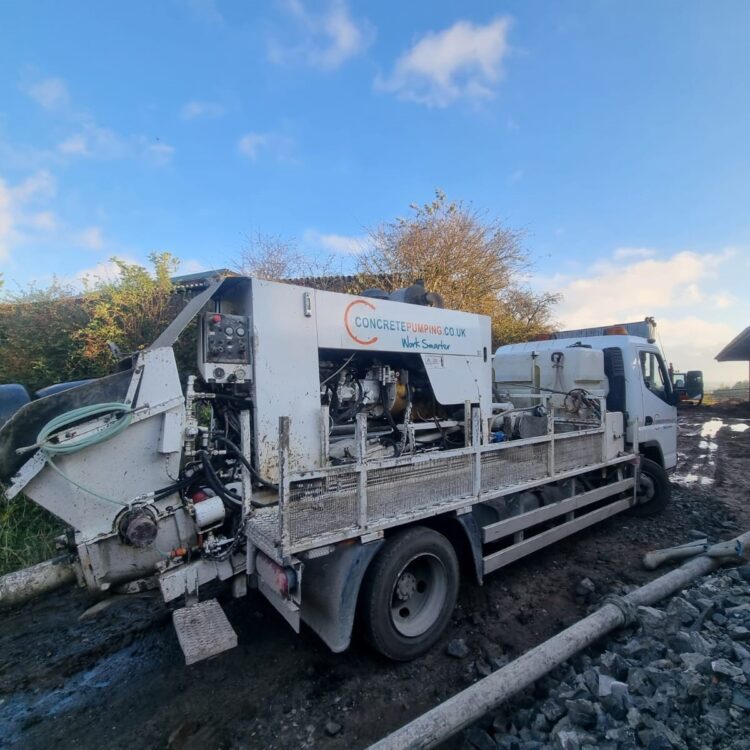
(215, 483)
(241, 456)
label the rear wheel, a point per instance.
(654, 489)
(409, 593)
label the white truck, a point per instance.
(347, 456)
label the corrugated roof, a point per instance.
(737, 350)
(201, 279)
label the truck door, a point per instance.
(659, 422)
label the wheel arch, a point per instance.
(652, 450)
(331, 584)
(464, 534)
(330, 591)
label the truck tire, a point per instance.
(654, 489)
(409, 593)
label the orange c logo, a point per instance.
(368, 342)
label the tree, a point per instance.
(267, 256)
(475, 264)
(271, 257)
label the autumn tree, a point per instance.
(477, 265)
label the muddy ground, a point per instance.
(119, 681)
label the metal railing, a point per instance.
(367, 496)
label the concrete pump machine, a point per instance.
(348, 456)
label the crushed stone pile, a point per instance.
(678, 678)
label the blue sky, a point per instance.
(614, 133)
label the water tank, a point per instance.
(542, 367)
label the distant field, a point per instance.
(726, 395)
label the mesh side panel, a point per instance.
(405, 489)
(322, 505)
(265, 524)
(513, 465)
(577, 451)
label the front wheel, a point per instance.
(409, 593)
(654, 489)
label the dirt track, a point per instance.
(118, 680)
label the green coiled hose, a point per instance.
(47, 444)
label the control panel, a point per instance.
(224, 352)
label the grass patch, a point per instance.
(27, 533)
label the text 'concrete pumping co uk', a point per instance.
(371, 323)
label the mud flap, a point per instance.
(329, 597)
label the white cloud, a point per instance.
(620, 290)
(108, 270)
(323, 40)
(192, 266)
(624, 253)
(722, 300)
(105, 271)
(339, 244)
(691, 343)
(30, 225)
(160, 153)
(205, 10)
(688, 292)
(40, 185)
(88, 139)
(45, 220)
(7, 221)
(50, 93)
(250, 144)
(279, 146)
(16, 223)
(90, 238)
(464, 61)
(196, 109)
(93, 142)
(75, 145)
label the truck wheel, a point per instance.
(409, 593)
(654, 489)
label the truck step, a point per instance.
(203, 630)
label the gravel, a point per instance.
(675, 680)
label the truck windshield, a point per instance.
(655, 375)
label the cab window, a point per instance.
(655, 376)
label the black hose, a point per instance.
(176, 487)
(235, 449)
(215, 483)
